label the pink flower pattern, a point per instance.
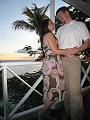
(53, 79)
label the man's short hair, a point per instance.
(63, 9)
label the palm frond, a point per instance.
(28, 12)
(45, 9)
(35, 17)
(22, 25)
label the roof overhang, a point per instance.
(82, 5)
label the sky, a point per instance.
(11, 10)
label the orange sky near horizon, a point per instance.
(15, 56)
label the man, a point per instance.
(71, 35)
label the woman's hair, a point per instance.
(44, 29)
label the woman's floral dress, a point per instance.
(53, 82)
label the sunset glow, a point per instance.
(15, 56)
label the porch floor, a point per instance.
(86, 100)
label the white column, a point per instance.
(52, 10)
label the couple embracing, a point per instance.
(62, 65)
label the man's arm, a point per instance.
(77, 50)
(84, 46)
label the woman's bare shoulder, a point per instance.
(48, 35)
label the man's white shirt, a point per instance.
(72, 34)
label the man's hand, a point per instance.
(72, 51)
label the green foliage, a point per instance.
(17, 90)
(86, 54)
(77, 14)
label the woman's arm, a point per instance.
(51, 42)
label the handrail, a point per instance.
(5, 67)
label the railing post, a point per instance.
(5, 92)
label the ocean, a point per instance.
(18, 68)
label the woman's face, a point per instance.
(51, 25)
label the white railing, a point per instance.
(5, 66)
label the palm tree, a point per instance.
(35, 17)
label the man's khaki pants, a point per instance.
(73, 98)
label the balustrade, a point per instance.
(7, 68)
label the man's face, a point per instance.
(62, 16)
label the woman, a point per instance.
(53, 83)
